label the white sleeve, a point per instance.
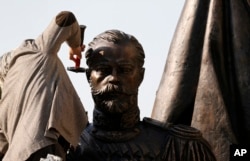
(64, 27)
(5, 60)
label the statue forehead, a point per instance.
(105, 48)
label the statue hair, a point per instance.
(116, 37)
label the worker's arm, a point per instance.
(63, 28)
(5, 61)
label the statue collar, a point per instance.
(116, 127)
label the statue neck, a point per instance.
(116, 122)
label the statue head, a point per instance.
(115, 61)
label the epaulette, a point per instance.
(181, 131)
(185, 132)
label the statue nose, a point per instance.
(113, 78)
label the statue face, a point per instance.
(115, 77)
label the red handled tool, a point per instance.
(77, 61)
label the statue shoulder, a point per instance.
(185, 132)
(188, 140)
(155, 123)
(181, 131)
(182, 141)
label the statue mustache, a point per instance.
(111, 89)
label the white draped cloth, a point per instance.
(38, 101)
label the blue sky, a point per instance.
(152, 22)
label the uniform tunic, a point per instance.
(38, 101)
(148, 141)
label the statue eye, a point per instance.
(126, 70)
(103, 69)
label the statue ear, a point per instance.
(141, 75)
(88, 74)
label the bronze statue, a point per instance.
(115, 61)
(206, 81)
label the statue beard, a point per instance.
(114, 99)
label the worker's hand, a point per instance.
(75, 54)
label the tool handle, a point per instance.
(77, 60)
(82, 27)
